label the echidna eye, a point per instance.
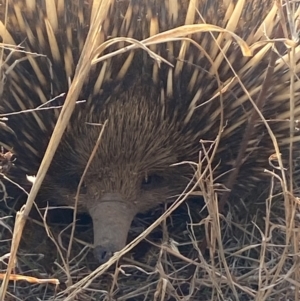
(147, 180)
(83, 188)
(152, 181)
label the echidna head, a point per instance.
(131, 170)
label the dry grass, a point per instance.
(186, 251)
(248, 258)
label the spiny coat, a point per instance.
(156, 115)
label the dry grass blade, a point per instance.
(84, 65)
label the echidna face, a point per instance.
(116, 192)
(131, 170)
(113, 204)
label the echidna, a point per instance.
(157, 114)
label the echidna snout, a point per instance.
(112, 217)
